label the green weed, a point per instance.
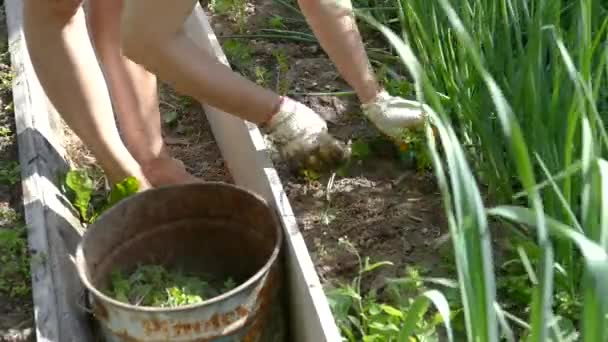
(261, 75)
(7, 75)
(234, 9)
(276, 22)
(9, 172)
(90, 203)
(282, 83)
(5, 131)
(238, 53)
(153, 285)
(14, 256)
(403, 316)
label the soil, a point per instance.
(189, 138)
(389, 211)
(16, 311)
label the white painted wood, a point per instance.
(53, 230)
(247, 158)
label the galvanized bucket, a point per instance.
(216, 228)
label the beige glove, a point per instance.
(392, 114)
(301, 136)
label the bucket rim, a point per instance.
(82, 274)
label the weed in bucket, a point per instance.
(154, 285)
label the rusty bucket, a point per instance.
(215, 228)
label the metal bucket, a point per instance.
(216, 228)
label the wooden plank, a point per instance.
(53, 229)
(247, 158)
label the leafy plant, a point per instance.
(500, 96)
(154, 285)
(276, 22)
(238, 53)
(283, 83)
(5, 131)
(170, 117)
(362, 318)
(235, 9)
(82, 186)
(9, 172)
(82, 189)
(14, 256)
(261, 75)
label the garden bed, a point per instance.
(381, 206)
(48, 150)
(367, 247)
(384, 206)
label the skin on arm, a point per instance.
(132, 88)
(153, 35)
(65, 64)
(134, 94)
(335, 27)
(167, 51)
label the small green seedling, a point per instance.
(5, 131)
(360, 149)
(9, 172)
(170, 117)
(261, 75)
(276, 22)
(235, 10)
(283, 83)
(238, 53)
(310, 175)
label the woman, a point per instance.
(149, 41)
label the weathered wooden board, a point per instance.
(53, 229)
(247, 158)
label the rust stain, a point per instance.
(100, 311)
(217, 321)
(124, 336)
(242, 311)
(153, 326)
(265, 298)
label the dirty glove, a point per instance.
(301, 137)
(391, 115)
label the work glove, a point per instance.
(391, 114)
(302, 138)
